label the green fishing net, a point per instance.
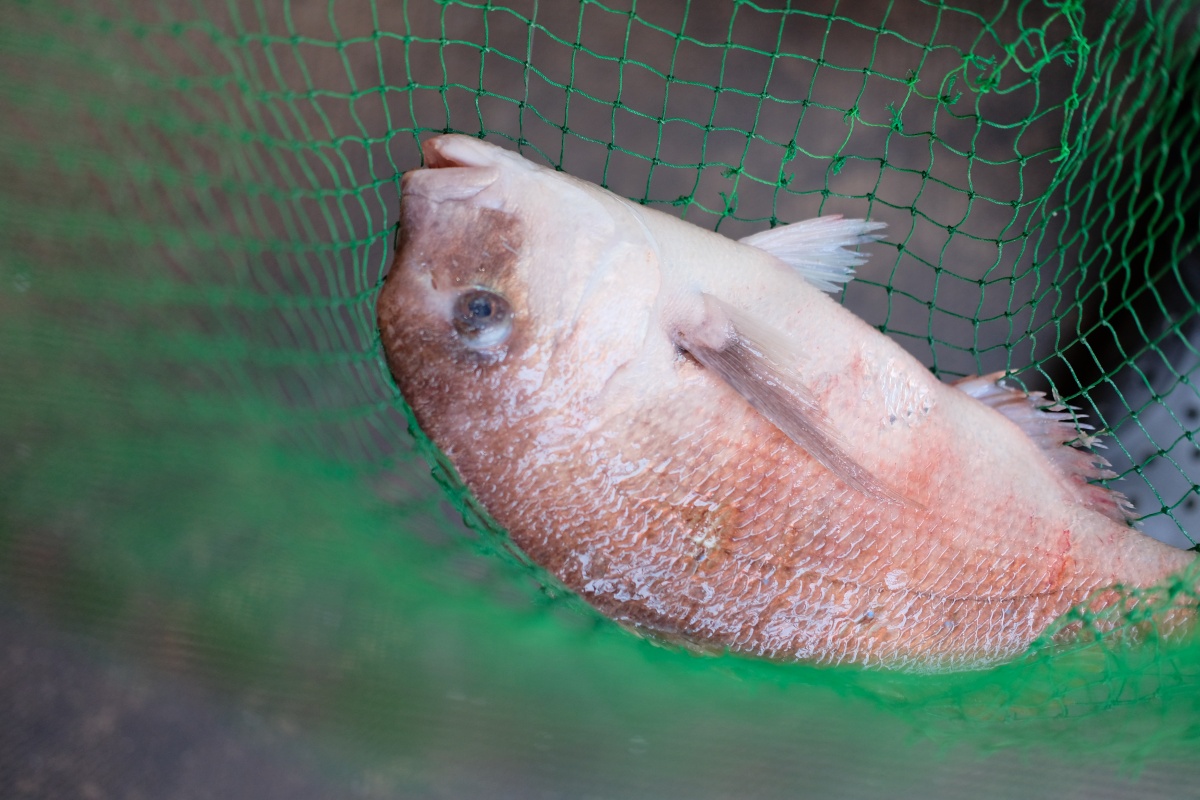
(205, 466)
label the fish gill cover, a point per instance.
(204, 463)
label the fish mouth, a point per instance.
(456, 150)
(457, 168)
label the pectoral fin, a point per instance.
(755, 360)
(815, 248)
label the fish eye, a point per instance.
(482, 318)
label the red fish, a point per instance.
(691, 434)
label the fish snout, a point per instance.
(446, 249)
(457, 150)
(463, 168)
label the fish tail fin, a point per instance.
(816, 248)
(1054, 427)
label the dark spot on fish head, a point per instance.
(452, 314)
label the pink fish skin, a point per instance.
(689, 433)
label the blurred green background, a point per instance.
(225, 567)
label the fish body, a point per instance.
(688, 432)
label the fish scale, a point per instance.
(824, 497)
(821, 623)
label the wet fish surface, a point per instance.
(691, 434)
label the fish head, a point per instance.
(512, 293)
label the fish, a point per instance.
(691, 434)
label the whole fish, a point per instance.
(691, 434)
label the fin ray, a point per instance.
(815, 248)
(1053, 427)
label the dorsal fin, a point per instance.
(816, 247)
(1052, 426)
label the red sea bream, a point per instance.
(688, 432)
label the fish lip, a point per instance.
(448, 183)
(459, 167)
(456, 150)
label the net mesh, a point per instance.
(204, 460)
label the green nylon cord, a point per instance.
(198, 435)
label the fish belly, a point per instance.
(697, 521)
